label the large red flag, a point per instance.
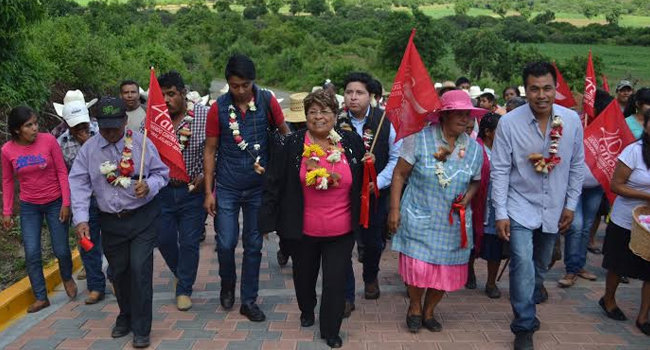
(604, 140)
(412, 96)
(605, 83)
(589, 98)
(563, 95)
(161, 131)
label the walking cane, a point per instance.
(503, 269)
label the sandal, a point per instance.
(644, 328)
(615, 314)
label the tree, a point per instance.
(545, 17)
(222, 5)
(275, 5)
(295, 6)
(461, 7)
(613, 15)
(477, 51)
(16, 15)
(338, 4)
(500, 7)
(316, 7)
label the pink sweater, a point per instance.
(327, 213)
(40, 169)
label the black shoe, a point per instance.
(120, 331)
(524, 341)
(306, 320)
(624, 279)
(227, 296)
(371, 290)
(253, 312)
(644, 328)
(282, 259)
(360, 254)
(432, 324)
(471, 281)
(347, 311)
(202, 238)
(615, 314)
(334, 342)
(543, 296)
(493, 292)
(414, 323)
(141, 341)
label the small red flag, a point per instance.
(563, 95)
(604, 140)
(605, 83)
(589, 98)
(412, 96)
(161, 131)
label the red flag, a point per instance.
(412, 96)
(563, 95)
(161, 131)
(604, 140)
(588, 113)
(605, 83)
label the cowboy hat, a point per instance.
(522, 91)
(296, 111)
(474, 91)
(488, 91)
(224, 89)
(144, 94)
(72, 95)
(455, 100)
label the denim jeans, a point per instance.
(31, 221)
(530, 254)
(92, 260)
(229, 203)
(577, 237)
(179, 228)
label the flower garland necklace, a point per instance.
(441, 157)
(317, 175)
(239, 139)
(125, 168)
(367, 137)
(546, 164)
(184, 131)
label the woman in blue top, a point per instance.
(639, 103)
(443, 167)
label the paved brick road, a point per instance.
(571, 319)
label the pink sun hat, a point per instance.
(456, 100)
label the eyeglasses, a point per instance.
(314, 113)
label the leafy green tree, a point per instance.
(275, 5)
(16, 15)
(295, 6)
(461, 7)
(500, 7)
(316, 7)
(338, 5)
(613, 14)
(222, 5)
(545, 17)
(477, 51)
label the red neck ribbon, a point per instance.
(369, 175)
(456, 206)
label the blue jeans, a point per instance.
(530, 255)
(229, 203)
(179, 230)
(577, 237)
(31, 221)
(92, 260)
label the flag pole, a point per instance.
(374, 139)
(144, 140)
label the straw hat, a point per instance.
(456, 100)
(296, 111)
(474, 91)
(72, 95)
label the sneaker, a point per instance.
(252, 312)
(568, 280)
(94, 297)
(371, 290)
(587, 275)
(70, 287)
(183, 303)
(524, 341)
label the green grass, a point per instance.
(621, 62)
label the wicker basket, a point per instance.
(640, 237)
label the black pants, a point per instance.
(128, 243)
(373, 237)
(335, 254)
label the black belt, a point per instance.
(177, 183)
(123, 214)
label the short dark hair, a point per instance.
(490, 97)
(129, 82)
(321, 97)
(461, 80)
(515, 102)
(241, 66)
(171, 79)
(376, 88)
(516, 89)
(488, 123)
(17, 117)
(539, 69)
(361, 77)
(602, 100)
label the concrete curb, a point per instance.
(15, 299)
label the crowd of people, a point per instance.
(480, 180)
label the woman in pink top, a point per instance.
(37, 161)
(312, 199)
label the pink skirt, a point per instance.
(422, 274)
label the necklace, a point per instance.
(239, 139)
(546, 164)
(184, 131)
(120, 175)
(441, 157)
(317, 175)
